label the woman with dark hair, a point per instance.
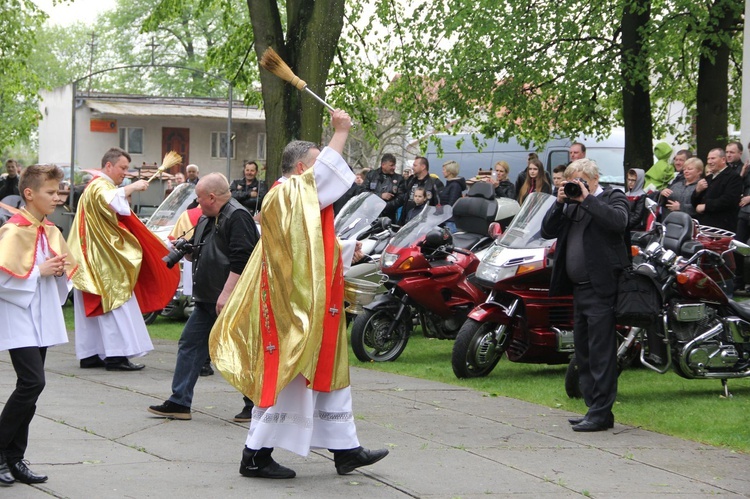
(536, 181)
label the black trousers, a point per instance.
(28, 363)
(596, 350)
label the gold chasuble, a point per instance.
(19, 238)
(113, 252)
(285, 316)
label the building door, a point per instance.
(178, 140)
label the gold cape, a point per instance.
(109, 255)
(291, 247)
(18, 242)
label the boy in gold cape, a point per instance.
(281, 338)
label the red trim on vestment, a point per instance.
(194, 214)
(333, 310)
(270, 342)
(156, 283)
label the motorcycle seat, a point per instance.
(742, 309)
(678, 229)
(475, 212)
(466, 240)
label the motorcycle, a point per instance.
(161, 223)
(427, 277)
(519, 318)
(705, 333)
(473, 216)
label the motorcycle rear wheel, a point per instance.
(476, 351)
(369, 341)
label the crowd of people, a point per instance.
(269, 310)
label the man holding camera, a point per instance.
(589, 223)
(221, 244)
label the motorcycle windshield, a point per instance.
(357, 215)
(525, 231)
(429, 218)
(170, 209)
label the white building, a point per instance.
(149, 127)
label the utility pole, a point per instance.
(153, 46)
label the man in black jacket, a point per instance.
(9, 184)
(420, 178)
(223, 240)
(387, 184)
(248, 190)
(591, 253)
(716, 198)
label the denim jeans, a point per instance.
(192, 352)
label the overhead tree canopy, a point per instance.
(19, 22)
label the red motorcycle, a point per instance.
(519, 318)
(427, 278)
(703, 333)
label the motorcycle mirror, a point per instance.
(650, 204)
(740, 247)
(495, 230)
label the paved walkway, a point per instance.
(93, 437)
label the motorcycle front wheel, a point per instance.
(150, 317)
(478, 348)
(370, 338)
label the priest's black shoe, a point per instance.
(347, 461)
(124, 366)
(575, 421)
(23, 474)
(6, 478)
(91, 362)
(260, 464)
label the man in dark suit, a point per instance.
(591, 254)
(716, 198)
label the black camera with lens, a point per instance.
(180, 248)
(573, 190)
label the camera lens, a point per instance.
(572, 190)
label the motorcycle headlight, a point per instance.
(388, 259)
(493, 273)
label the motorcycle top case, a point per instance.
(638, 300)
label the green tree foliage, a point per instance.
(530, 69)
(19, 22)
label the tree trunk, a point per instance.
(313, 31)
(713, 78)
(636, 96)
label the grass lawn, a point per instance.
(668, 404)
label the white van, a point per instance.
(608, 154)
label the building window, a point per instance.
(261, 151)
(131, 140)
(219, 145)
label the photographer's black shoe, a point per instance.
(23, 474)
(347, 461)
(171, 410)
(6, 478)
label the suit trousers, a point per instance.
(20, 408)
(596, 349)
